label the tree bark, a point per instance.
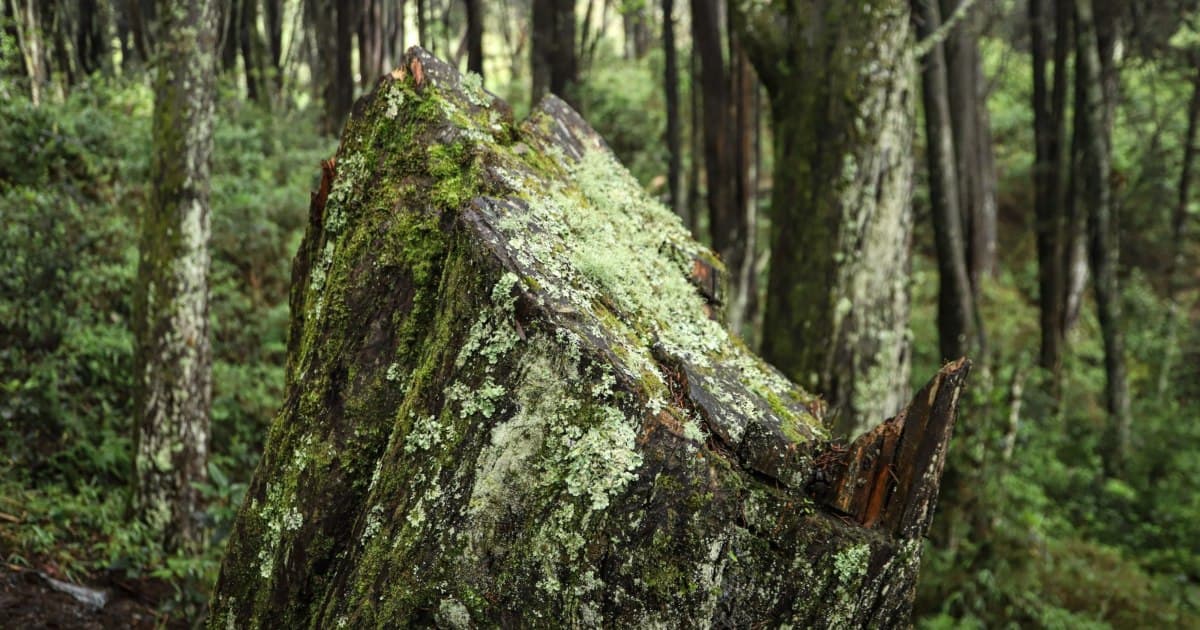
(371, 61)
(1048, 140)
(91, 43)
(475, 36)
(958, 330)
(837, 298)
(552, 50)
(1102, 239)
(671, 96)
(725, 168)
(1179, 235)
(172, 354)
(487, 424)
(975, 164)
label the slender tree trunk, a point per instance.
(743, 305)
(423, 24)
(1047, 206)
(974, 166)
(253, 51)
(552, 51)
(475, 36)
(370, 43)
(273, 13)
(230, 23)
(172, 355)
(1103, 248)
(723, 179)
(957, 317)
(1179, 231)
(31, 42)
(695, 141)
(837, 297)
(91, 42)
(671, 94)
(141, 16)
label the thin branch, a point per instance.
(925, 45)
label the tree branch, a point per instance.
(925, 45)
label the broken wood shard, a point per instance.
(511, 402)
(890, 475)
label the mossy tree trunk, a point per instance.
(510, 403)
(839, 77)
(172, 353)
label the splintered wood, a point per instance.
(890, 474)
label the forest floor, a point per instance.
(32, 599)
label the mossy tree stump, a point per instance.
(511, 402)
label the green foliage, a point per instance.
(73, 178)
(624, 102)
(1046, 536)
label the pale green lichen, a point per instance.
(601, 461)
(472, 85)
(427, 433)
(851, 563)
(395, 99)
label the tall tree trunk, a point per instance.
(141, 15)
(172, 354)
(273, 14)
(423, 23)
(743, 303)
(91, 42)
(958, 331)
(1102, 238)
(671, 94)
(370, 42)
(837, 297)
(552, 51)
(1048, 140)
(975, 165)
(253, 51)
(32, 45)
(1179, 235)
(723, 178)
(635, 20)
(695, 141)
(475, 36)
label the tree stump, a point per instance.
(511, 402)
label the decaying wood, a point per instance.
(509, 405)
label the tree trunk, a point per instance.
(695, 140)
(32, 45)
(273, 12)
(489, 424)
(1048, 197)
(724, 177)
(1102, 240)
(1179, 235)
(837, 298)
(91, 43)
(172, 354)
(958, 331)
(475, 36)
(743, 304)
(552, 50)
(371, 61)
(975, 165)
(671, 94)
(253, 50)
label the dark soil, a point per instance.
(27, 600)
